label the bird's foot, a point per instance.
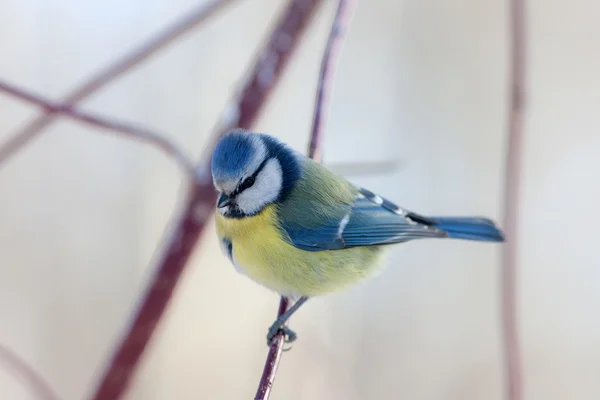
(275, 329)
(279, 327)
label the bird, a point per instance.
(300, 230)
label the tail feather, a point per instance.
(469, 228)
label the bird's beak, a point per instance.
(224, 201)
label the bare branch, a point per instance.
(128, 131)
(181, 27)
(122, 365)
(329, 63)
(273, 357)
(334, 44)
(511, 200)
(201, 202)
(20, 368)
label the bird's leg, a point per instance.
(279, 324)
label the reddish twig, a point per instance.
(273, 357)
(511, 200)
(112, 72)
(201, 203)
(328, 64)
(20, 368)
(121, 367)
(334, 45)
(127, 130)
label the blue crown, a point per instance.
(233, 152)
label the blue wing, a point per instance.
(371, 220)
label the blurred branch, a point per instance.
(325, 86)
(19, 367)
(334, 45)
(191, 20)
(511, 200)
(124, 129)
(201, 202)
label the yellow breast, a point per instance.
(260, 251)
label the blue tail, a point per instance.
(469, 228)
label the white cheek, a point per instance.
(266, 188)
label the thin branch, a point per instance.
(126, 130)
(511, 200)
(201, 202)
(273, 357)
(329, 63)
(175, 31)
(121, 367)
(21, 368)
(325, 86)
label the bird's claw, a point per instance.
(289, 335)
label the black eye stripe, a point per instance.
(241, 187)
(260, 167)
(246, 183)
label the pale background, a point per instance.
(422, 82)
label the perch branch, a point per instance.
(201, 202)
(127, 130)
(325, 86)
(178, 29)
(516, 111)
(19, 367)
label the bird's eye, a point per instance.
(248, 182)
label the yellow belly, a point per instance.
(260, 252)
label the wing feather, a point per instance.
(370, 220)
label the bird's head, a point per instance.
(251, 171)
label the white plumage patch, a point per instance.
(266, 188)
(343, 224)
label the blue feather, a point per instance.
(375, 221)
(378, 224)
(469, 228)
(368, 224)
(233, 152)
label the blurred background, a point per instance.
(422, 84)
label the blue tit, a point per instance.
(293, 226)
